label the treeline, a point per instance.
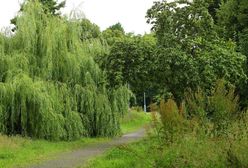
(192, 44)
(62, 78)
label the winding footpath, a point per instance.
(81, 156)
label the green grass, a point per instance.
(134, 120)
(132, 155)
(190, 152)
(20, 152)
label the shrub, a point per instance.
(220, 107)
(154, 107)
(172, 121)
(223, 105)
(196, 103)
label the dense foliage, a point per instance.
(130, 61)
(190, 51)
(50, 86)
(61, 79)
(205, 131)
(69, 70)
(50, 7)
(188, 48)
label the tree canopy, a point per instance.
(190, 53)
(49, 6)
(50, 85)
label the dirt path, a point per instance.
(80, 156)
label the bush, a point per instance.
(193, 152)
(220, 107)
(196, 103)
(154, 107)
(172, 121)
(223, 105)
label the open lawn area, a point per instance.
(19, 152)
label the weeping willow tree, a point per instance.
(50, 86)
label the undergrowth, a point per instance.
(204, 131)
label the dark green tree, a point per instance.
(118, 27)
(213, 7)
(89, 30)
(180, 22)
(233, 18)
(113, 33)
(130, 61)
(189, 52)
(233, 25)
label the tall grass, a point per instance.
(220, 108)
(206, 130)
(172, 120)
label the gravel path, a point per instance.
(80, 156)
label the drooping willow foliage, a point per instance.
(50, 86)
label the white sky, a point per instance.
(130, 13)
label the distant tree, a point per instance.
(118, 27)
(49, 6)
(113, 33)
(89, 30)
(213, 7)
(130, 61)
(243, 41)
(52, 6)
(233, 25)
(233, 18)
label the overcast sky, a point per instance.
(130, 13)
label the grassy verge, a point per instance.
(20, 152)
(134, 120)
(214, 134)
(189, 152)
(123, 157)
